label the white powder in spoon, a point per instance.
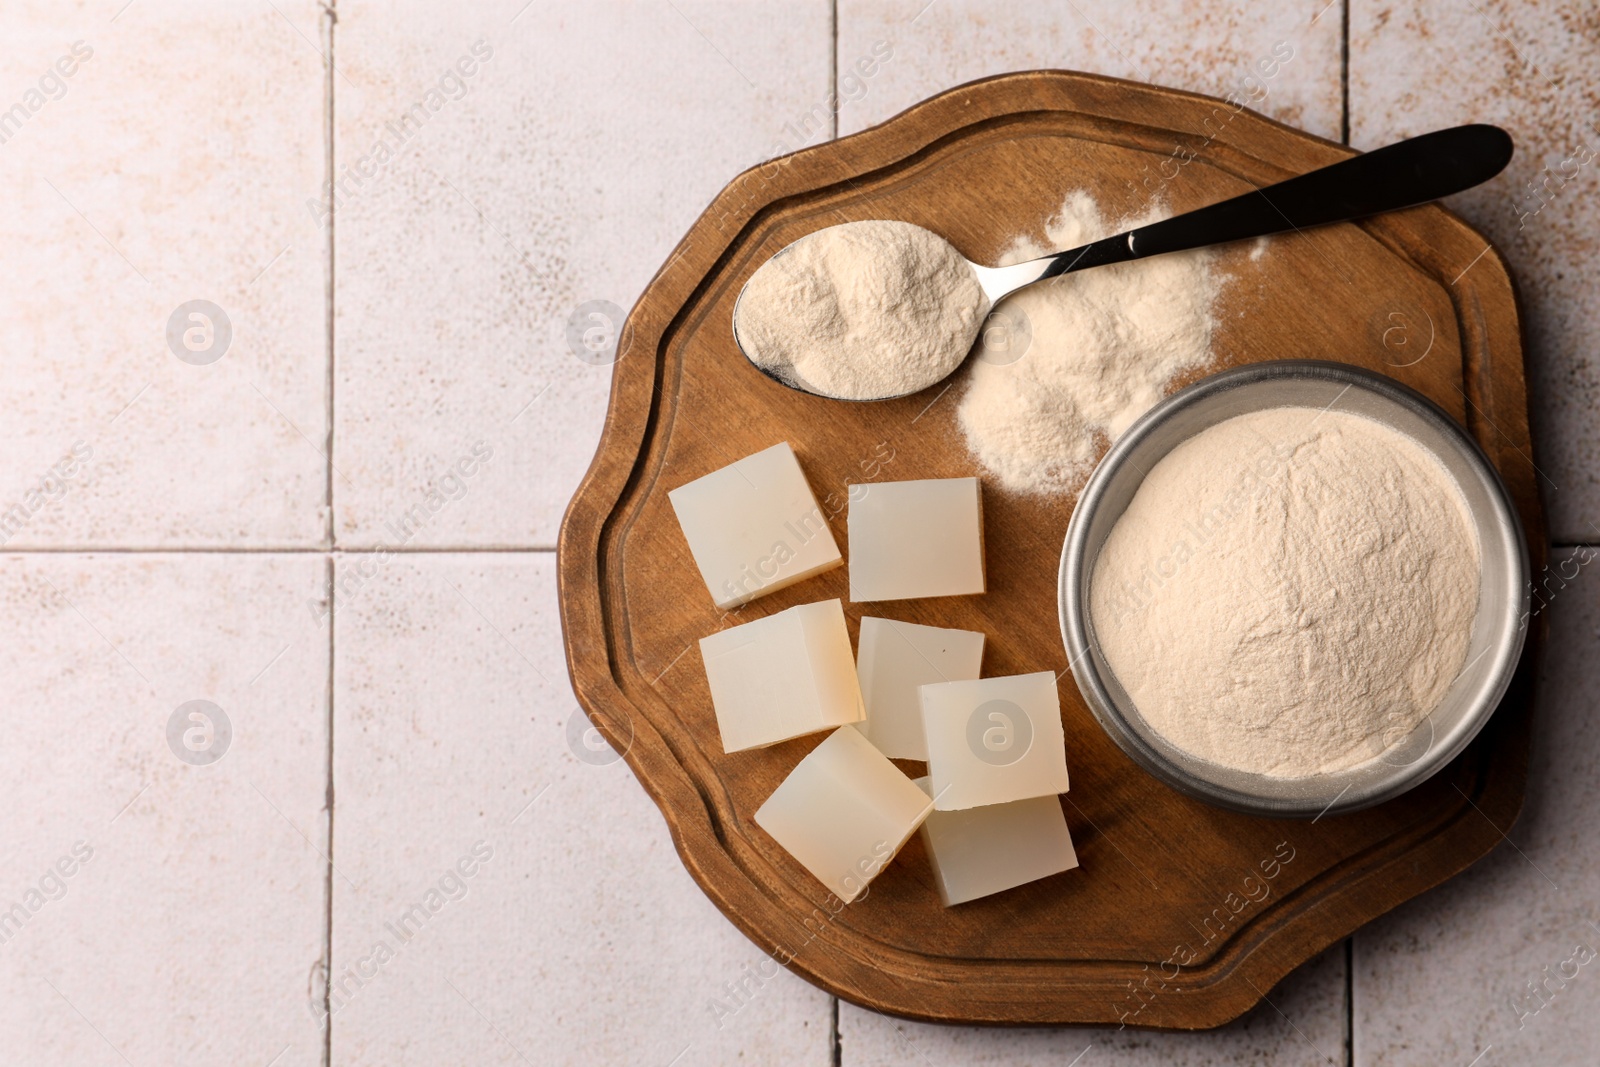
(1104, 345)
(1289, 592)
(862, 310)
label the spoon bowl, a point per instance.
(1405, 174)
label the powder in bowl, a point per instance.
(1290, 592)
(862, 311)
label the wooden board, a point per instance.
(1182, 915)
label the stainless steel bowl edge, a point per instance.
(1505, 581)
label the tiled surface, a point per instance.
(1530, 68)
(1453, 973)
(184, 160)
(192, 932)
(163, 171)
(1198, 47)
(1303, 1024)
(581, 939)
(576, 156)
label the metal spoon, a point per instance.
(1401, 175)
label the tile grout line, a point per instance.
(1344, 73)
(833, 66)
(1350, 1001)
(330, 18)
(327, 874)
(293, 550)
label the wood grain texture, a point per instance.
(980, 164)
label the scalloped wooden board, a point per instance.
(1181, 915)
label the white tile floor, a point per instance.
(184, 158)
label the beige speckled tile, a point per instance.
(1304, 1024)
(192, 928)
(1201, 47)
(1448, 974)
(580, 939)
(562, 170)
(170, 165)
(1529, 68)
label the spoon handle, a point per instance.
(1409, 172)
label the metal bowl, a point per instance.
(1497, 632)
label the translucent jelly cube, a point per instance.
(994, 740)
(894, 660)
(843, 812)
(754, 527)
(1001, 846)
(915, 539)
(782, 676)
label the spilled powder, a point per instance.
(1289, 592)
(1104, 345)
